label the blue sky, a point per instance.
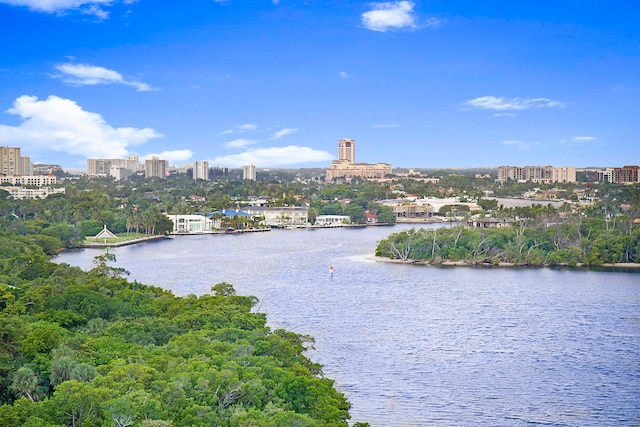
(277, 83)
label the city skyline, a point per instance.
(278, 83)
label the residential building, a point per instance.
(156, 168)
(564, 174)
(537, 174)
(119, 172)
(10, 160)
(626, 175)
(191, 223)
(605, 175)
(249, 172)
(25, 166)
(30, 180)
(623, 175)
(280, 216)
(102, 167)
(346, 167)
(412, 211)
(32, 193)
(489, 223)
(201, 170)
(44, 169)
(332, 220)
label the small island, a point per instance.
(547, 239)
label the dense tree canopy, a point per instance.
(91, 349)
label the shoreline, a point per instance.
(448, 263)
(102, 245)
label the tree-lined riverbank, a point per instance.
(569, 241)
(91, 348)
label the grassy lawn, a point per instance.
(122, 237)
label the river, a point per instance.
(421, 345)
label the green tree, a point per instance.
(103, 269)
(25, 382)
(386, 215)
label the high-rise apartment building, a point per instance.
(538, 174)
(626, 175)
(249, 172)
(104, 167)
(132, 163)
(26, 167)
(10, 161)
(201, 170)
(156, 168)
(100, 167)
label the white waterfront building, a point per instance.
(332, 220)
(192, 223)
(280, 216)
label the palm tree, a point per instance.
(25, 382)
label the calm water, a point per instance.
(426, 346)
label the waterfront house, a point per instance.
(195, 223)
(280, 216)
(332, 220)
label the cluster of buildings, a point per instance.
(537, 174)
(13, 163)
(18, 178)
(623, 175)
(277, 217)
(121, 169)
(346, 167)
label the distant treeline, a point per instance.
(565, 241)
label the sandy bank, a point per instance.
(484, 264)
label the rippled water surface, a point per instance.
(426, 346)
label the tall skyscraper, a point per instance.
(347, 150)
(156, 168)
(249, 172)
(201, 170)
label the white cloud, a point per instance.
(389, 15)
(520, 144)
(283, 132)
(174, 156)
(343, 74)
(504, 115)
(59, 124)
(240, 128)
(91, 7)
(577, 140)
(391, 125)
(89, 75)
(274, 156)
(502, 103)
(239, 143)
